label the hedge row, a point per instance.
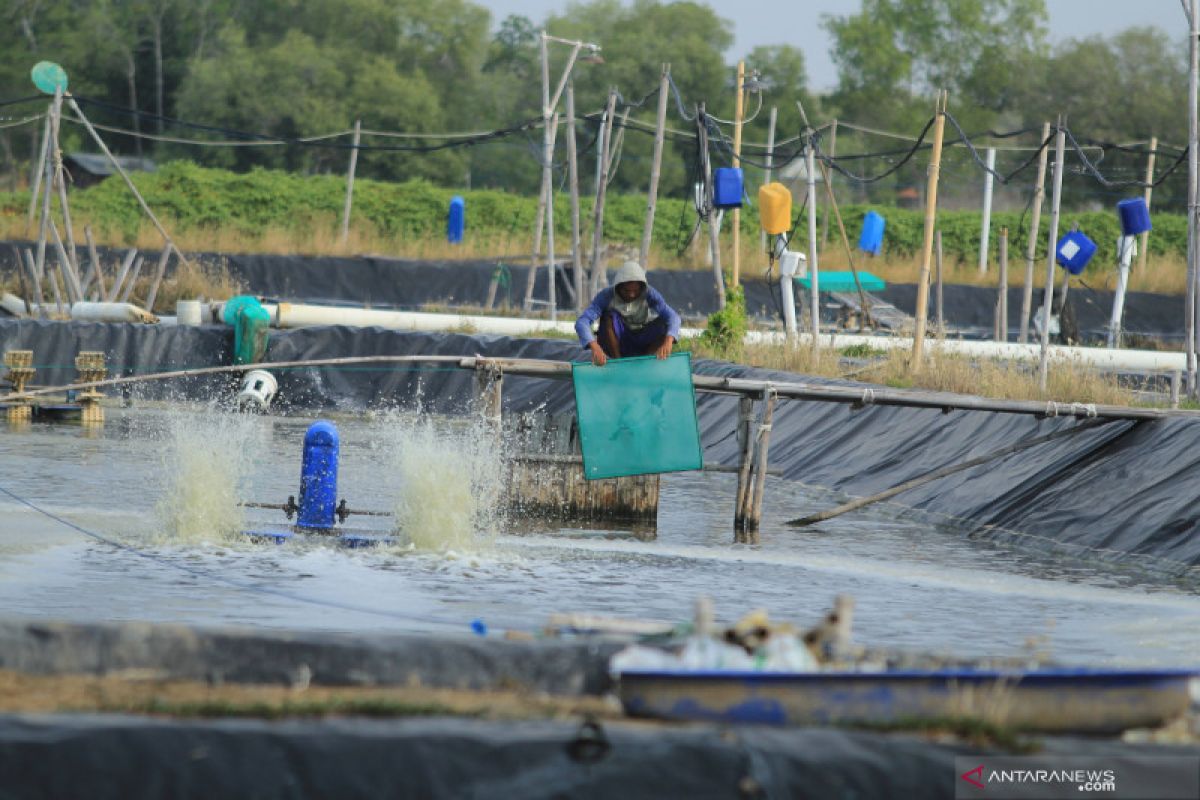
(194, 197)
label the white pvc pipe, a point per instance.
(294, 315)
(110, 312)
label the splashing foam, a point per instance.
(450, 478)
(207, 456)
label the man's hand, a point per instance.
(664, 349)
(598, 356)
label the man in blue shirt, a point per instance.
(633, 318)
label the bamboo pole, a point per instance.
(738, 111)
(350, 181)
(159, 272)
(814, 271)
(125, 177)
(52, 277)
(25, 294)
(71, 282)
(713, 219)
(1039, 195)
(573, 176)
(127, 291)
(938, 298)
(986, 224)
(937, 474)
(65, 209)
(551, 263)
(36, 178)
(31, 268)
(829, 183)
(1059, 146)
(930, 222)
(126, 263)
(660, 126)
(596, 269)
(1148, 194)
(1002, 294)
(47, 180)
(94, 257)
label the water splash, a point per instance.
(450, 476)
(207, 456)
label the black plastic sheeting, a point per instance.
(129, 757)
(398, 283)
(1122, 492)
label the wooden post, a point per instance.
(97, 267)
(489, 384)
(1144, 244)
(930, 221)
(829, 184)
(764, 444)
(65, 208)
(1059, 146)
(1039, 194)
(547, 193)
(597, 269)
(36, 179)
(350, 181)
(124, 176)
(581, 301)
(159, 272)
(539, 221)
(1193, 150)
(660, 126)
(745, 437)
(31, 268)
(939, 304)
(762, 234)
(738, 111)
(1002, 295)
(986, 229)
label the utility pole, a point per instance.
(814, 272)
(762, 242)
(738, 111)
(1060, 140)
(660, 128)
(1144, 245)
(573, 177)
(985, 233)
(1193, 191)
(1039, 194)
(350, 181)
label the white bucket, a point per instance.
(188, 312)
(793, 264)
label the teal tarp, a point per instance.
(637, 416)
(834, 281)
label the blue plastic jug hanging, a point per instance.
(1074, 251)
(871, 240)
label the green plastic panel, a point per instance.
(637, 416)
(834, 281)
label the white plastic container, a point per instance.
(188, 312)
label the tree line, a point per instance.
(298, 68)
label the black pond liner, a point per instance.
(1123, 493)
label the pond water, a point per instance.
(140, 521)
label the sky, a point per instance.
(758, 22)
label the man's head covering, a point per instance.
(630, 271)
